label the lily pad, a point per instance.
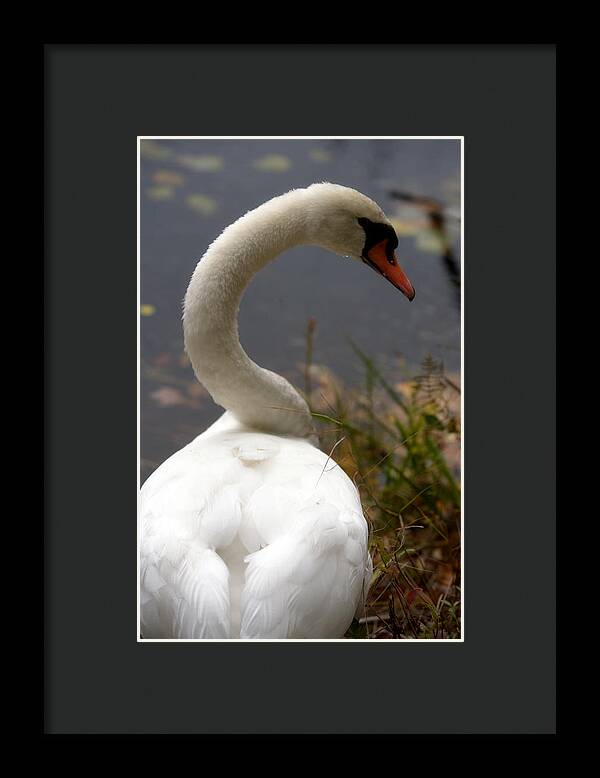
(160, 193)
(403, 227)
(153, 150)
(430, 243)
(168, 178)
(319, 155)
(200, 163)
(202, 204)
(273, 163)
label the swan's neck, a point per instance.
(257, 397)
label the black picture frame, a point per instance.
(98, 678)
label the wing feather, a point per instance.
(305, 583)
(296, 514)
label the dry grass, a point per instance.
(398, 438)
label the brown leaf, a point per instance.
(168, 178)
(161, 360)
(167, 396)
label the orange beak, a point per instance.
(386, 263)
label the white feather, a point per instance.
(291, 529)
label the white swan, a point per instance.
(250, 531)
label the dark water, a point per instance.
(192, 189)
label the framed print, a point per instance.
(300, 438)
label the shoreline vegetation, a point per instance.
(398, 438)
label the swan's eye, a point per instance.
(376, 234)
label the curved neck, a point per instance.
(255, 396)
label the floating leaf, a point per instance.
(147, 310)
(201, 203)
(319, 155)
(160, 192)
(405, 227)
(200, 163)
(153, 150)
(273, 163)
(168, 178)
(161, 360)
(167, 396)
(430, 242)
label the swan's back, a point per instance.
(252, 535)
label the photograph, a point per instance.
(300, 388)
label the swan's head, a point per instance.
(351, 224)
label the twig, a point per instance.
(328, 458)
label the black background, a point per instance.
(98, 678)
